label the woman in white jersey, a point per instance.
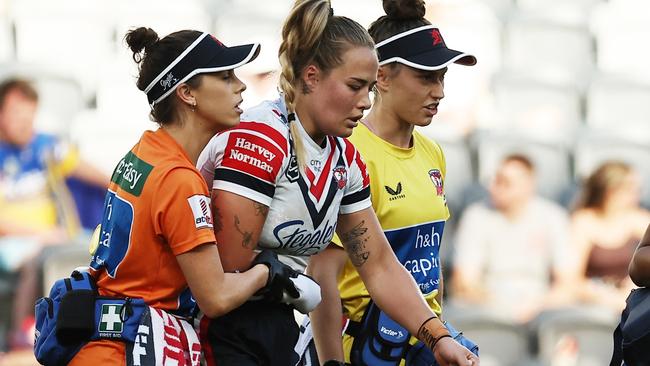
(407, 172)
(286, 179)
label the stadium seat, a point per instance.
(594, 149)
(163, 16)
(620, 106)
(60, 261)
(588, 329)
(74, 37)
(6, 41)
(502, 8)
(621, 30)
(575, 11)
(549, 50)
(546, 111)
(7, 289)
(501, 342)
(551, 161)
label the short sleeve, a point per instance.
(248, 160)
(181, 211)
(439, 156)
(357, 190)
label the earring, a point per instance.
(193, 106)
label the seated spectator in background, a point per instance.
(35, 208)
(640, 265)
(605, 229)
(509, 249)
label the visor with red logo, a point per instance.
(421, 48)
(205, 55)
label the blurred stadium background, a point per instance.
(565, 81)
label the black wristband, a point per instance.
(424, 323)
(438, 340)
(334, 363)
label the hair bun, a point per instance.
(404, 9)
(140, 39)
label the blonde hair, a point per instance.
(312, 34)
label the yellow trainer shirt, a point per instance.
(407, 192)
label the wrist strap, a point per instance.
(439, 338)
(334, 363)
(431, 336)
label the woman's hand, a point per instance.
(448, 352)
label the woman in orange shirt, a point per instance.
(156, 241)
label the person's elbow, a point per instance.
(215, 308)
(640, 267)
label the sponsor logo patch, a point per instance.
(252, 154)
(200, 205)
(131, 173)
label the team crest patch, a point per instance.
(200, 205)
(340, 175)
(436, 178)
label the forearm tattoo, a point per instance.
(247, 236)
(427, 338)
(355, 244)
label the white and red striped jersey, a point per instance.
(256, 160)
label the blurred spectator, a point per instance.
(605, 229)
(509, 249)
(36, 209)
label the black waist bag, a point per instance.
(378, 340)
(632, 336)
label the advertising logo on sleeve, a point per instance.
(200, 205)
(418, 249)
(254, 155)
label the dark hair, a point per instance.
(153, 55)
(401, 16)
(607, 176)
(521, 159)
(311, 34)
(24, 87)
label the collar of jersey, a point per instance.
(307, 139)
(398, 152)
(170, 140)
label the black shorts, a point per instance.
(256, 333)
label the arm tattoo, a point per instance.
(260, 209)
(247, 236)
(427, 338)
(355, 244)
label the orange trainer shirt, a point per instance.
(156, 208)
